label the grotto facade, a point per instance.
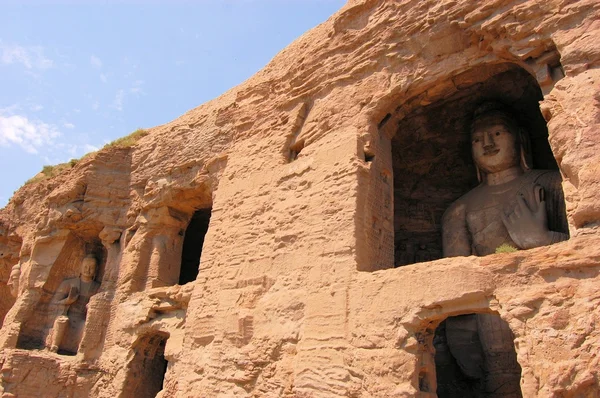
(285, 239)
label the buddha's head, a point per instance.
(13, 279)
(497, 141)
(88, 268)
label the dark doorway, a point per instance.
(475, 357)
(146, 371)
(192, 245)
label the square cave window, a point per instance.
(433, 167)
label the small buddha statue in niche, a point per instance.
(513, 204)
(70, 301)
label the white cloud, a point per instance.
(36, 107)
(118, 101)
(31, 57)
(137, 88)
(31, 135)
(10, 109)
(69, 125)
(96, 62)
(103, 78)
(90, 148)
(95, 105)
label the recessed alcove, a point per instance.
(431, 153)
(65, 274)
(192, 245)
(147, 368)
(475, 357)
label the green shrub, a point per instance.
(506, 248)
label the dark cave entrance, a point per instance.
(192, 245)
(431, 153)
(147, 369)
(475, 357)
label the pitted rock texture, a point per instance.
(301, 169)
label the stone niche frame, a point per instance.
(426, 352)
(157, 236)
(37, 324)
(161, 234)
(419, 161)
(145, 375)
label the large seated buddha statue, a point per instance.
(513, 204)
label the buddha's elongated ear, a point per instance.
(525, 149)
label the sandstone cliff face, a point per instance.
(296, 294)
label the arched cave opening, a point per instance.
(147, 369)
(431, 153)
(192, 245)
(475, 357)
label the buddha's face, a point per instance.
(88, 267)
(15, 274)
(494, 146)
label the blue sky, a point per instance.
(75, 75)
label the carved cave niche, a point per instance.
(431, 153)
(147, 367)
(6, 298)
(193, 242)
(37, 327)
(470, 355)
(10, 248)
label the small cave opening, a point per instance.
(475, 357)
(147, 369)
(431, 153)
(295, 150)
(193, 242)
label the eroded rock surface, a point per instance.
(318, 175)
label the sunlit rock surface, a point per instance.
(300, 190)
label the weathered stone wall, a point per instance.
(296, 295)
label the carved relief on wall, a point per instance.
(69, 305)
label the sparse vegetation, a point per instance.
(52, 171)
(128, 140)
(506, 248)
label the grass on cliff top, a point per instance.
(128, 140)
(52, 171)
